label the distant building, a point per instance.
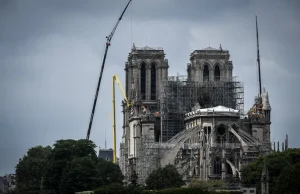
(7, 183)
(3, 185)
(106, 154)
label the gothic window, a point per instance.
(153, 82)
(217, 73)
(143, 80)
(220, 134)
(217, 166)
(228, 169)
(206, 73)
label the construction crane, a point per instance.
(115, 78)
(108, 40)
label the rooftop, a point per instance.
(147, 48)
(210, 49)
(217, 109)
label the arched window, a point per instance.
(220, 134)
(206, 73)
(217, 73)
(153, 82)
(217, 166)
(143, 80)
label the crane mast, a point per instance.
(108, 40)
(115, 78)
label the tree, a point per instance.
(109, 172)
(80, 175)
(162, 178)
(63, 153)
(71, 166)
(278, 164)
(30, 169)
(288, 181)
(206, 185)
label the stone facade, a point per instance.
(210, 64)
(145, 69)
(215, 143)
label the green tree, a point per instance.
(206, 185)
(63, 153)
(109, 172)
(163, 178)
(278, 164)
(289, 179)
(30, 169)
(80, 175)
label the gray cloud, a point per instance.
(51, 51)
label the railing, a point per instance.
(227, 145)
(149, 48)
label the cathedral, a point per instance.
(195, 121)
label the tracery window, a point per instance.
(153, 82)
(217, 73)
(206, 73)
(143, 80)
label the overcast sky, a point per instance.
(51, 51)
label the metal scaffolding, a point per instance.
(178, 96)
(149, 154)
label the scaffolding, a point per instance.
(149, 154)
(178, 96)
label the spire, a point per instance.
(265, 179)
(258, 58)
(133, 47)
(265, 170)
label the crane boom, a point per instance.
(116, 78)
(258, 58)
(108, 39)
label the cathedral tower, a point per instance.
(210, 64)
(145, 70)
(148, 67)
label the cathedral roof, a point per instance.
(217, 109)
(146, 48)
(210, 49)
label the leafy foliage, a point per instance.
(281, 167)
(289, 179)
(80, 175)
(109, 172)
(206, 185)
(71, 166)
(63, 153)
(162, 178)
(117, 188)
(30, 169)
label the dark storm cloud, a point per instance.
(50, 55)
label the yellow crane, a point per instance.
(116, 78)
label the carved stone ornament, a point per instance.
(196, 107)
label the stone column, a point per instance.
(211, 74)
(223, 164)
(158, 81)
(200, 74)
(148, 82)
